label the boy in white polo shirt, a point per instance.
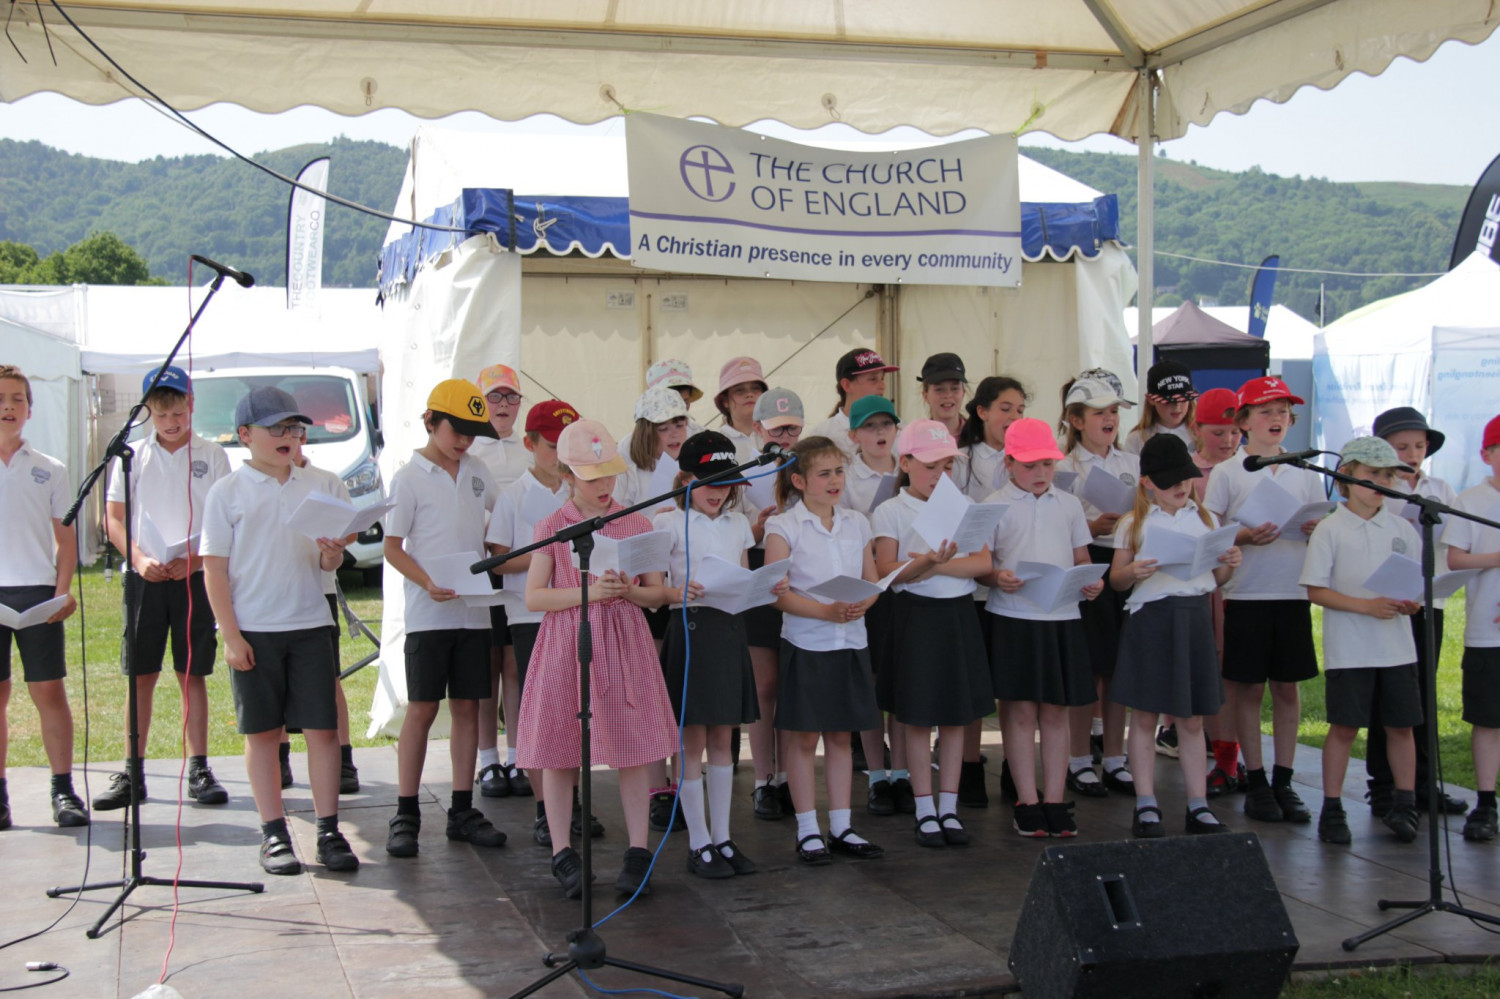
(1477, 546)
(171, 475)
(442, 497)
(265, 583)
(1369, 657)
(38, 566)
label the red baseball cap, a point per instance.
(1258, 391)
(1491, 433)
(549, 417)
(1216, 408)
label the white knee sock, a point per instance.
(488, 758)
(720, 797)
(690, 802)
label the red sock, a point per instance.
(1226, 756)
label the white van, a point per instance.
(343, 437)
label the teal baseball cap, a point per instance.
(867, 406)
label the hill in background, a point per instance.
(169, 208)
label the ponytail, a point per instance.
(804, 452)
(1136, 519)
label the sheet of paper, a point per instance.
(662, 477)
(1062, 479)
(1187, 556)
(1292, 526)
(451, 572)
(1400, 578)
(1268, 503)
(537, 504)
(491, 599)
(1106, 492)
(884, 490)
(1051, 588)
(365, 517)
(16, 620)
(851, 590)
(761, 490)
(1412, 513)
(649, 552)
(154, 545)
(320, 516)
(734, 589)
(940, 515)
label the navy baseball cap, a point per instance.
(172, 377)
(267, 406)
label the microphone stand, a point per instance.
(1434, 902)
(586, 949)
(119, 447)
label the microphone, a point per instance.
(1255, 462)
(242, 278)
(773, 451)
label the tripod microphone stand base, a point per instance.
(586, 953)
(130, 884)
(1418, 910)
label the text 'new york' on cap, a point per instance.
(706, 453)
(462, 404)
(1169, 381)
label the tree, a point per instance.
(99, 258)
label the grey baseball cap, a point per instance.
(778, 408)
(1372, 452)
(267, 406)
(1095, 394)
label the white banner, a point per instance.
(1465, 375)
(711, 200)
(304, 238)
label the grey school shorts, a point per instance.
(42, 648)
(292, 684)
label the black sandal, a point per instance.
(954, 835)
(816, 856)
(930, 838)
(1147, 830)
(859, 851)
(1196, 826)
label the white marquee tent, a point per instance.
(1436, 348)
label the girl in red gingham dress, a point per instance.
(632, 716)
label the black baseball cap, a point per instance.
(1166, 461)
(942, 368)
(1170, 381)
(706, 453)
(860, 360)
(1406, 418)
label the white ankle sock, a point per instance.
(690, 803)
(1113, 763)
(780, 778)
(1096, 727)
(925, 807)
(1083, 766)
(807, 824)
(488, 758)
(838, 824)
(510, 756)
(720, 797)
(947, 802)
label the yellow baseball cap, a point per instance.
(463, 405)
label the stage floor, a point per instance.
(465, 922)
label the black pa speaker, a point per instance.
(1184, 916)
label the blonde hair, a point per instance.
(805, 451)
(1136, 518)
(683, 478)
(645, 446)
(1150, 419)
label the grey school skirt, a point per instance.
(1167, 662)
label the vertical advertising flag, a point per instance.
(1262, 290)
(1479, 229)
(705, 199)
(304, 237)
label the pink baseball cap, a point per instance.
(738, 371)
(1028, 440)
(586, 447)
(928, 441)
(498, 376)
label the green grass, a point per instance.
(106, 687)
(1403, 982)
(1453, 734)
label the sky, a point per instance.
(1433, 122)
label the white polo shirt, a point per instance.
(982, 473)
(746, 447)
(893, 519)
(171, 486)
(1163, 584)
(860, 483)
(1135, 440)
(333, 485)
(818, 554)
(1267, 572)
(1482, 595)
(836, 429)
(34, 492)
(1445, 494)
(1043, 528)
(505, 458)
(510, 528)
(436, 514)
(634, 484)
(1122, 465)
(727, 536)
(1342, 552)
(275, 580)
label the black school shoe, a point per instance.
(278, 857)
(1333, 827)
(1059, 815)
(470, 826)
(708, 863)
(1031, 822)
(906, 798)
(735, 857)
(1141, 829)
(1119, 780)
(68, 811)
(930, 832)
(859, 851)
(1292, 808)
(348, 778)
(812, 851)
(567, 868)
(494, 782)
(954, 833)
(5, 815)
(203, 787)
(1195, 825)
(881, 800)
(1261, 805)
(520, 784)
(635, 871)
(766, 802)
(118, 793)
(1089, 789)
(335, 853)
(401, 837)
(1479, 827)
(971, 789)
(1447, 804)
(662, 806)
(1402, 820)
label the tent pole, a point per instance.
(1146, 236)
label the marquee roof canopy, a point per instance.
(1067, 67)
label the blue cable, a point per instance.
(687, 664)
(621, 992)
